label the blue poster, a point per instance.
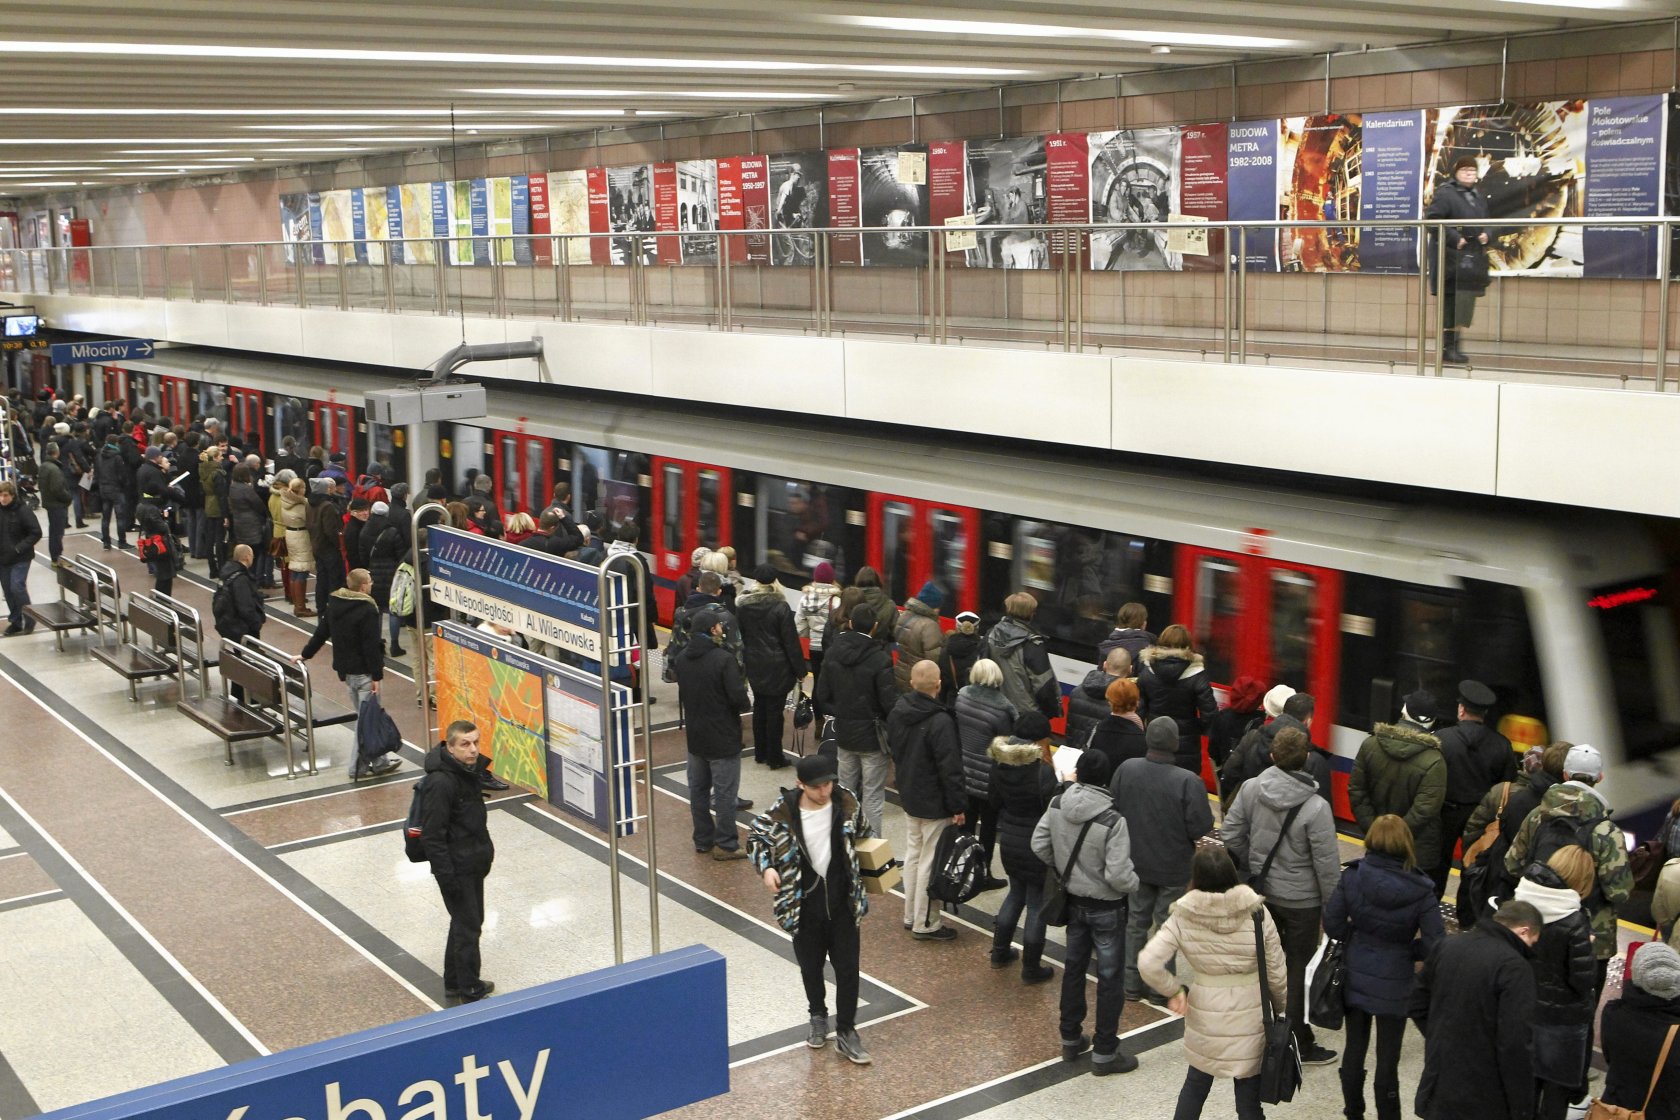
(1391, 187)
(521, 220)
(315, 227)
(480, 200)
(1624, 179)
(358, 224)
(1252, 171)
(440, 210)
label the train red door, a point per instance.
(245, 417)
(1252, 615)
(175, 399)
(912, 542)
(115, 386)
(523, 469)
(335, 430)
(691, 509)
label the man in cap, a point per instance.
(1478, 758)
(927, 757)
(1399, 770)
(803, 848)
(713, 695)
(1574, 812)
(1166, 811)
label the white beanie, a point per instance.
(1656, 970)
(1276, 697)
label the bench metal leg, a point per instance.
(229, 751)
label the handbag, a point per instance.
(802, 712)
(1471, 269)
(1280, 1061)
(1053, 903)
(1598, 1110)
(1326, 1003)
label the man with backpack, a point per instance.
(1082, 838)
(928, 759)
(351, 624)
(1573, 812)
(455, 830)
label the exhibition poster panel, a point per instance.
(600, 216)
(1318, 180)
(1625, 158)
(894, 186)
(1134, 177)
(799, 201)
(1252, 176)
(947, 187)
(1391, 186)
(536, 196)
(1067, 177)
(1201, 186)
(845, 205)
(697, 208)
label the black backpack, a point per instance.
(1562, 831)
(959, 866)
(413, 841)
(221, 605)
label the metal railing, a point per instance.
(1275, 289)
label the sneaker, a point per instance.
(723, 855)
(1036, 974)
(1001, 958)
(1316, 1055)
(1118, 1062)
(941, 933)
(818, 1038)
(850, 1045)
(1072, 1049)
(384, 766)
(475, 994)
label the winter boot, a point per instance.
(1033, 968)
(1388, 1100)
(1450, 353)
(1353, 1093)
(300, 598)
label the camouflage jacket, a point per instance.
(773, 840)
(1615, 878)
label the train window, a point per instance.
(513, 474)
(799, 527)
(605, 483)
(389, 451)
(292, 417)
(670, 508)
(213, 401)
(950, 558)
(536, 476)
(1079, 576)
(896, 528)
(1425, 649)
(1637, 623)
(1219, 611)
(1295, 627)
(468, 457)
(711, 512)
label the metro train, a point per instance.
(1568, 616)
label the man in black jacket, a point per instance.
(351, 623)
(455, 830)
(56, 499)
(775, 661)
(1474, 1001)
(326, 538)
(857, 690)
(928, 760)
(1478, 758)
(242, 615)
(19, 533)
(713, 696)
(113, 479)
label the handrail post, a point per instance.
(563, 255)
(1226, 302)
(1440, 298)
(388, 267)
(1242, 295)
(1423, 299)
(192, 271)
(1079, 295)
(1664, 253)
(343, 270)
(440, 284)
(227, 274)
(422, 649)
(720, 270)
(262, 275)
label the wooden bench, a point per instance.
(152, 651)
(63, 615)
(262, 714)
(307, 710)
(197, 655)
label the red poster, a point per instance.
(665, 212)
(947, 185)
(542, 249)
(600, 216)
(1202, 187)
(845, 205)
(744, 203)
(1067, 179)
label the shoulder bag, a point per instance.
(1053, 904)
(1326, 1006)
(1280, 1062)
(1601, 1111)
(1258, 881)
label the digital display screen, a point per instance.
(22, 326)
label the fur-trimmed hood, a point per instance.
(1221, 911)
(1401, 741)
(1010, 751)
(916, 606)
(1171, 664)
(357, 596)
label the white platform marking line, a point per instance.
(169, 958)
(362, 950)
(26, 897)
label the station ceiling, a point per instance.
(99, 93)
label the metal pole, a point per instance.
(1079, 296)
(1067, 296)
(721, 270)
(563, 253)
(227, 275)
(1227, 300)
(262, 276)
(603, 615)
(1242, 294)
(192, 270)
(422, 655)
(343, 277)
(1423, 301)
(1665, 234)
(1440, 297)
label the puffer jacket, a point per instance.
(1028, 680)
(1400, 770)
(209, 468)
(250, 515)
(856, 689)
(983, 714)
(1215, 933)
(1088, 706)
(1665, 904)
(1103, 873)
(454, 824)
(1309, 864)
(1378, 911)
(294, 518)
(1565, 972)
(20, 532)
(775, 839)
(1174, 682)
(818, 601)
(769, 640)
(1633, 1031)
(1022, 787)
(1615, 878)
(1132, 639)
(919, 637)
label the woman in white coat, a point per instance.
(1212, 927)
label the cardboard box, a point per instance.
(883, 880)
(874, 853)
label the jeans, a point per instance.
(58, 520)
(919, 910)
(1194, 1094)
(983, 817)
(194, 519)
(1298, 929)
(1022, 895)
(1100, 929)
(768, 711)
(361, 687)
(465, 903)
(15, 579)
(109, 509)
(712, 786)
(329, 577)
(1147, 910)
(827, 932)
(393, 629)
(816, 672)
(865, 774)
(1391, 1031)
